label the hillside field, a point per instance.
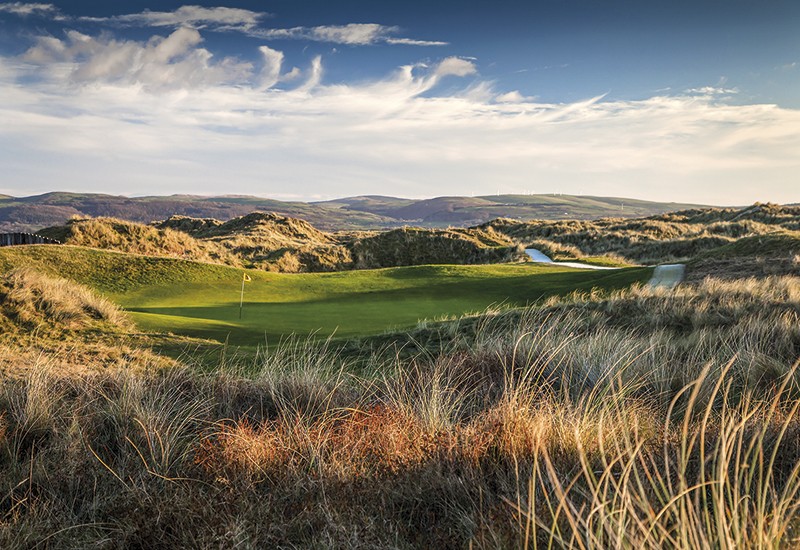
(202, 300)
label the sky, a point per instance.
(686, 101)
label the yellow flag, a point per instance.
(246, 277)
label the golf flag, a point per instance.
(245, 278)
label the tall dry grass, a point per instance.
(126, 236)
(572, 425)
(724, 476)
(675, 236)
(32, 300)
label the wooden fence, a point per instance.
(13, 239)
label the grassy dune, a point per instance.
(195, 299)
(676, 236)
(757, 256)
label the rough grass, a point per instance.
(413, 246)
(754, 318)
(72, 327)
(551, 429)
(136, 238)
(273, 242)
(755, 256)
(676, 236)
(32, 301)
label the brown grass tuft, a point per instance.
(31, 300)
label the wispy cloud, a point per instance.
(413, 42)
(712, 91)
(354, 34)
(219, 18)
(224, 19)
(175, 61)
(250, 23)
(167, 115)
(26, 9)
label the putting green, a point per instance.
(351, 303)
(194, 299)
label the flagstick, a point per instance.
(241, 300)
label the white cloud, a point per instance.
(511, 97)
(220, 18)
(165, 116)
(247, 21)
(712, 91)
(271, 73)
(353, 34)
(175, 61)
(455, 66)
(413, 42)
(25, 9)
(315, 75)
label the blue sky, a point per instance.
(300, 100)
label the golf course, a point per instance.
(203, 300)
(202, 385)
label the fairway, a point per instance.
(195, 299)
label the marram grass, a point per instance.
(551, 431)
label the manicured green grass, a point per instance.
(195, 299)
(604, 261)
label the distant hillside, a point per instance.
(464, 211)
(31, 213)
(353, 213)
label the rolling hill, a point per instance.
(30, 213)
(353, 213)
(462, 211)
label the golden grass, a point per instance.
(554, 431)
(677, 236)
(32, 300)
(714, 483)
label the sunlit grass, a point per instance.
(202, 300)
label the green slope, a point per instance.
(196, 299)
